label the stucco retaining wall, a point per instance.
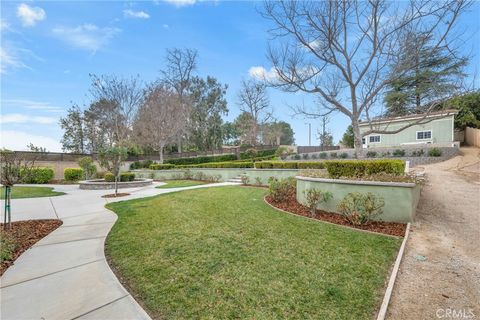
(102, 185)
(401, 199)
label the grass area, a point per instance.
(30, 192)
(180, 184)
(222, 253)
(7, 247)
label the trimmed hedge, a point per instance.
(127, 176)
(202, 159)
(359, 168)
(109, 177)
(229, 164)
(141, 164)
(124, 177)
(290, 165)
(39, 175)
(73, 174)
(260, 154)
(165, 166)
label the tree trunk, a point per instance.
(278, 141)
(160, 153)
(179, 145)
(116, 183)
(357, 139)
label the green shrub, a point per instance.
(371, 154)
(259, 154)
(100, 175)
(202, 159)
(141, 164)
(435, 152)
(109, 177)
(282, 190)
(359, 168)
(360, 208)
(281, 152)
(323, 155)
(344, 155)
(290, 165)
(160, 166)
(38, 175)
(258, 181)
(314, 197)
(229, 164)
(399, 153)
(245, 179)
(250, 153)
(311, 165)
(333, 155)
(88, 166)
(314, 156)
(127, 176)
(418, 153)
(73, 174)
(296, 157)
(187, 175)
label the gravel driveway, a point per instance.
(439, 276)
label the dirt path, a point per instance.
(439, 276)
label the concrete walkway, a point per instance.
(65, 275)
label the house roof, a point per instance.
(436, 114)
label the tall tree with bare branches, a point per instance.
(120, 100)
(253, 100)
(178, 74)
(346, 53)
(160, 119)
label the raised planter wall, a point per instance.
(102, 185)
(401, 199)
(223, 173)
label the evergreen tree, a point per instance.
(73, 139)
(433, 73)
(348, 137)
(205, 120)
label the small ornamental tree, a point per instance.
(111, 159)
(14, 168)
(314, 197)
(89, 168)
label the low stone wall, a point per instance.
(401, 199)
(102, 185)
(386, 153)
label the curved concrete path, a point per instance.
(65, 275)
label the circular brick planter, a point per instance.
(101, 184)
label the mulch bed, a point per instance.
(25, 234)
(113, 195)
(292, 206)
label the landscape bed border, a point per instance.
(100, 184)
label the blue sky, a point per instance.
(49, 48)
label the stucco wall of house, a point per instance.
(442, 133)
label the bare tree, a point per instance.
(323, 133)
(120, 99)
(178, 73)
(160, 119)
(14, 168)
(253, 99)
(346, 53)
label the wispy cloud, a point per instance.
(22, 118)
(10, 59)
(87, 36)
(181, 3)
(135, 14)
(29, 16)
(5, 26)
(260, 73)
(165, 26)
(31, 105)
(18, 140)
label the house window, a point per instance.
(373, 139)
(424, 135)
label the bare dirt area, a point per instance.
(439, 277)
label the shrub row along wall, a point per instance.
(223, 174)
(401, 199)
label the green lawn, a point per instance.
(222, 253)
(180, 184)
(30, 192)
